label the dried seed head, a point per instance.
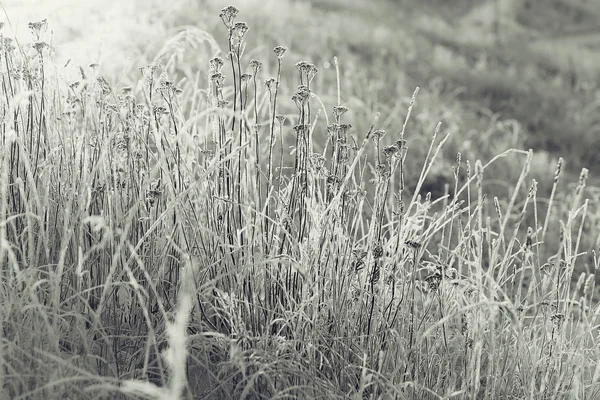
(7, 44)
(280, 118)
(228, 15)
(40, 47)
(377, 251)
(216, 64)
(301, 96)
(159, 110)
(557, 319)
(256, 66)
(333, 129)
(302, 66)
(338, 111)
(218, 79)
(532, 189)
(382, 172)
(279, 51)
(240, 29)
(246, 78)
(411, 243)
(558, 171)
(344, 128)
(457, 167)
(270, 84)
(38, 27)
(390, 151)
(434, 280)
(301, 129)
(312, 71)
(378, 135)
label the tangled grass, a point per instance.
(166, 242)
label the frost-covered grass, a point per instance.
(221, 233)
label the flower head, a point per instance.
(228, 15)
(256, 66)
(338, 111)
(240, 29)
(279, 51)
(216, 63)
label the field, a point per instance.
(324, 199)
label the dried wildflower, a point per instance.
(333, 129)
(413, 244)
(152, 195)
(317, 161)
(377, 251)
(218, 79)
(279, 51)
(378, 135)
(332, 181)
(166, 84)
(344, 128)
(240, 29)
(338, 111)
(216, 64)
(301, 129)
(228, 15)
(301, 96)
(280, 118)
(302, 66)
(434, 280)
(382, 171)
(222, 103)
(38, 26)
(7, 44)
(390, 151)
(40, 47)
(557, 319)
(255, 65)
(270, 84)
(245, 78)
(159, 110)
(312, 71)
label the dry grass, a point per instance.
(166, 241)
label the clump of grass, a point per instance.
(308, 280)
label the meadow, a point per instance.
(331, 200)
